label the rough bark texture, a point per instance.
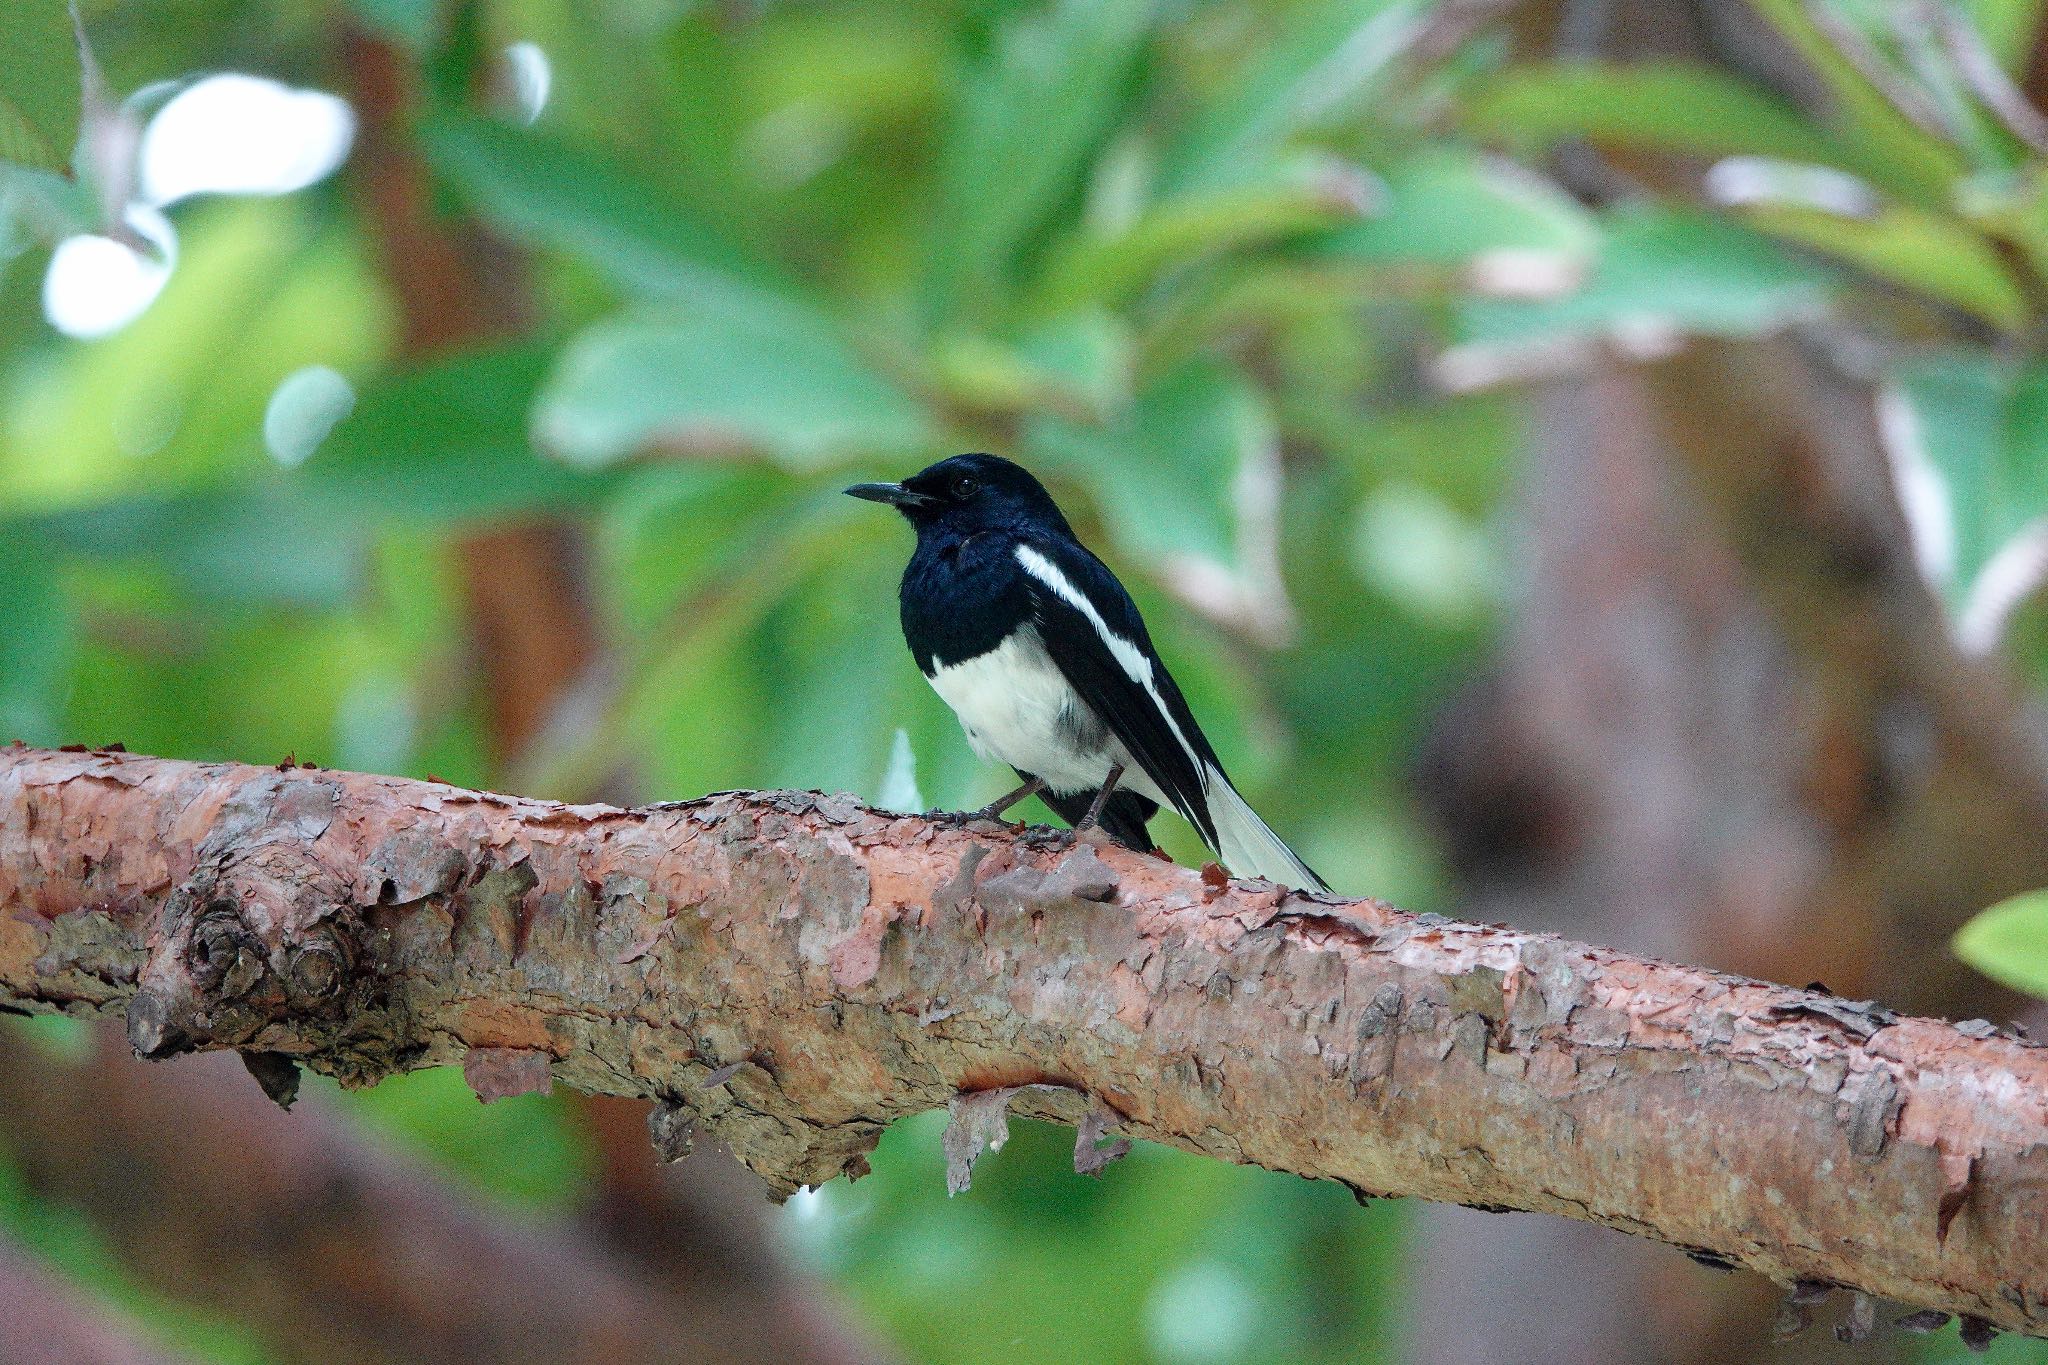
(795, 971)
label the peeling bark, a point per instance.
(794, 972)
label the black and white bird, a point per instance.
(1042, 655)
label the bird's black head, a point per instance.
(970, 493)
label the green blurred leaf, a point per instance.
(1166, 475)
(526, 1148)
(446, 441)
(36, 643)
(1670, 106)
(2008, 28)
(176, 399)
(1447, 207)
(1028, 119)
(1885, 145)
(1078, 364)
(1332, 56)
(551, 193)
(1664, 270)
(1304, 194)
(442, 443)
(411, 22)
(2009, 943)
(733, 382)
(40, 91)
(40, 208)
(1932, 253)
(261, 544)
(1968, 435)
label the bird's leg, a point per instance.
(1101, 799)
(994, 809)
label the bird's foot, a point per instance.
(1054, 836)
(987, 815)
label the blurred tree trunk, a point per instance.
(534, 640)
(45, 1321)
(1749, 736)
(1648, 710)
(333, 1247)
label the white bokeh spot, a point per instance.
(240, 134)
(96, 285)
(303, 409)
(532, 77)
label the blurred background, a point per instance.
(1584, 460)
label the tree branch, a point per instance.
(796, 971)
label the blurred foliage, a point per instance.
(1213, 270)
(2009, 943)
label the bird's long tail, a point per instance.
(1248, 844)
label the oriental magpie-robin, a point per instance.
(1043, 657)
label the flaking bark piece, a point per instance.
(1807, 1293)
(1090, 1158)
(1860, 1322)
(1793, 1318)
(975, 1119)
(1955, 1193)
(1083, 875)
(495, 1073)
(1860, 1019)
(277, 1074)
(720, 1076)
(673, 1129)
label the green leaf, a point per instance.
(37, 644)
(1662, 270)
(1929, 252)
(262, 544)
(2008, 27)
(1332, 57)
(1968, 436)
(40, 92)
(1078, 364)
(446, 441)
(1302, 196)
(1028, 121)
(722, 382)
(1450, 208)
(40, 208)
(550, 193)
(1885, 146)
(1166, 475)
(1669, 106)
(2009, 943)
(410, 22)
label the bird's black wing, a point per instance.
(1092, 630)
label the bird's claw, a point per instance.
(962, 818)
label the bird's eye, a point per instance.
(965, 486)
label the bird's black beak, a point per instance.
(894, 494)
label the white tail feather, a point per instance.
(1248, 844)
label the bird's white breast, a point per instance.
(1018, 708)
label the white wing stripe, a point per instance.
(1128, 655)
